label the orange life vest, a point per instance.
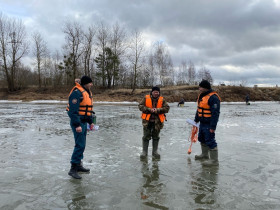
(203, 109)
(149, 104)
(85, 107)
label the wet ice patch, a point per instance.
(36, 151)
(6, 131)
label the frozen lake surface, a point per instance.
(36, 144)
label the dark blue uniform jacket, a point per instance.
(74, 102)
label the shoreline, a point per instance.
(121, 102)
(171, 94)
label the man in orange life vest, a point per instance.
(153, 109)
(80, 111)
(208, 111)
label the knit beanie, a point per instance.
(205, 84)
(85, 80)
(156, 88)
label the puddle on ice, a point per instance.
(36, 144)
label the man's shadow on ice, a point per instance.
(77, 194)
(204, 182)
(152, 186)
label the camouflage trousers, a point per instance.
(149, 132)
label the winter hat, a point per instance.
(205, 84)
(85, 80)
(155, 88)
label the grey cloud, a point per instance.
(250, 74)
(217, 32)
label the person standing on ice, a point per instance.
(208, 111)
(153, 108)
(247, 98)
(80, 111)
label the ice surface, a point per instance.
(36, 144)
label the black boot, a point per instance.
(80, 168)
(145, 146)
(73, 171)
(213, 161)
(155, 148)
(204, 153)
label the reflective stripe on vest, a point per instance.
(149, 104)
(85, 107)
(203, 109)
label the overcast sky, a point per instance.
(237, 40)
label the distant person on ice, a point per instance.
(181, 102)
(80, 111)
(247, 98)
(208, 111)
(153, 107)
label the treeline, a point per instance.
(112, 55)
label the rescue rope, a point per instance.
(193, 137)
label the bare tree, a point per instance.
(136, 51)
(14, 45)
(170, 74)
(25, 76)
(163, 63)
(151, 67)
(73, 47)
(204, 74)
(58, 70)
(40, 52)
(88, 50)
(182, 73)
(46, 70)
(103, 38)
(123, 75)
(145, 78)
(191, 73)
(118, 46)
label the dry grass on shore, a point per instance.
(172, 94)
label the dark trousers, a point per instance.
(205, 137)
(150, 132)
(80, 144)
